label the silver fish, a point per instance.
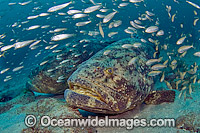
(92, 9)
(123, 4)
(32, 17)
(58, 7)
(109, 17)
(17, 68)
(197, 54)
(151, 29)
(193, 4)
(158, 67)
(132, 61)
(72, 12)
(100, 16)
(160, 33)
(43, 14)
(4, 70)
(44, 62)
(117, 23)
(135, 1)
(79, 15)
(154, 73)
(181, 40)
(83, 23)
(136, 25)
(6, 47)
(101, 30)
(22, 44)
(33, 27)
(112, 34)
(61, 37)
(184, 48)
(35, 43)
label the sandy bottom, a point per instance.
(13, 118)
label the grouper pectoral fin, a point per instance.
(158, 97)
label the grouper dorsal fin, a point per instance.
(158, 97)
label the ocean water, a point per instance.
(14, 23)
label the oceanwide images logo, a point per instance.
(30, 121)
(46, 121)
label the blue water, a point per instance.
(30, 59)
(10, 14)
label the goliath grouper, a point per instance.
(115, 80)
(51, 75)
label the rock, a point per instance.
(23, 98)
(52, 107)
(189, 121)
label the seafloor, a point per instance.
(14, 111)
(16, 101)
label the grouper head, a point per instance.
(109, 83)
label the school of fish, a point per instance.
(105, 21)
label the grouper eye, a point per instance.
(109, 71)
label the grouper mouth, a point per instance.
(84, 96)
(82, 90)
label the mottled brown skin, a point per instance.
(44, 84)
(158, 97)
(40, 80)
(110, 85)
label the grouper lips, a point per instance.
(83, 97)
